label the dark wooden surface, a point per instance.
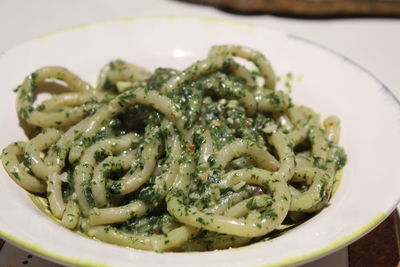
(308, 8)
(380, 248)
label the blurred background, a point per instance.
(366, 31)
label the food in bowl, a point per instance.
(211, 157)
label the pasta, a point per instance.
(211, 157)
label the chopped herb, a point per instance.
(114, 187)
(269, 213)
(251, 204)
(41, 107)
(201, 220)
(27, 160)
(16, 175)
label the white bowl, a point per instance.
(330, 84)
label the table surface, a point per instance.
(372, 42)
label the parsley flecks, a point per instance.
(99, 155)
(324, 183)
(201, 221)
(41, 107)
(27, 160)
(16, 175)
(149, 195)
(251, 204)
(274, 98)
(269, 213)
(114, 188)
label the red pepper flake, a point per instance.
(232, 68)
(259, 192)
(191, 147)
